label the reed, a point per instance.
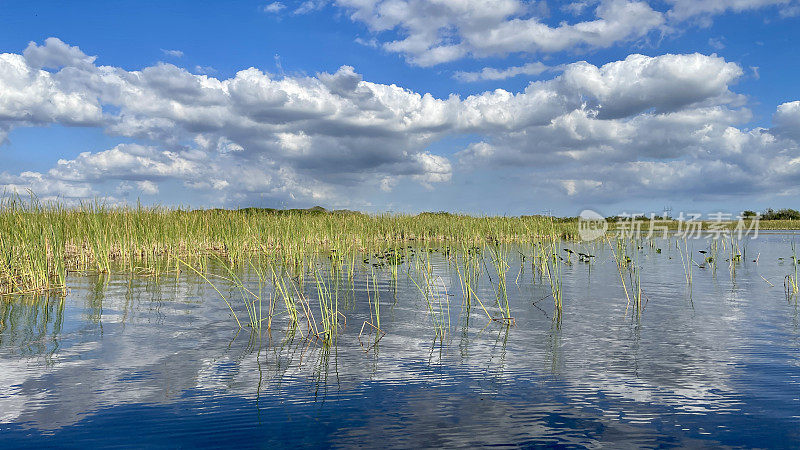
(549, 265)
(328, 309)
(624, 262)
(41, 242)
(686, 261)
(374, 310)
(434, 291)
(635, 275)
(469, 277)
(501, 268)
(791, 282)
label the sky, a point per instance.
(501, 107)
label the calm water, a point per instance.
(135, 362)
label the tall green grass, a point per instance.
(40, 243)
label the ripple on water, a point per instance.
(714, 363)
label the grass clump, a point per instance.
(41, 242)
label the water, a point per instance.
(144, 362)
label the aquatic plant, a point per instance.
(228, 303)
(633, 268)
(328, 302)
(501, 267)
(791, 282)
(686, 261)
(549, 264)
(437, 300)
(374, 313)
(41, 242)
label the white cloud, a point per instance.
(666, 83)
(294, 142)
(787, 120)
(441, 31)
(577, 8)
(55, 54)
(172, 53)
(274, 7)
(431, 32)
(572, 187)
(716, 43)
(310, 6)
(434, 168)
(147, 187)
(31, 96)
(643, 125)
(684, 9)
(45, 187)
(491, 73)
(476, 153)
(367, 42)
(616, 21)
(791, 10)
(127, 161)
(388, 183)
(696, 153)
(205, 70)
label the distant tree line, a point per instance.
(771, 214)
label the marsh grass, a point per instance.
(305, 265)
(41, 242)
(434, 290)
(790, 283)
(549, 262)
(374, 322)
(686, 262)
(469, 271)
(625, 263)
(501, 266)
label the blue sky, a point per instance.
(613, 105)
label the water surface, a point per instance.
(137, 361)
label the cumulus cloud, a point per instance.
(433, 32)
(440, 31)
(29, 95)
(787, 120)
(666, 83)
(641, 125)
(54, 54)
(127, 162)
(45, 187)
(491, 73)
(432, 168)
(696, 153)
